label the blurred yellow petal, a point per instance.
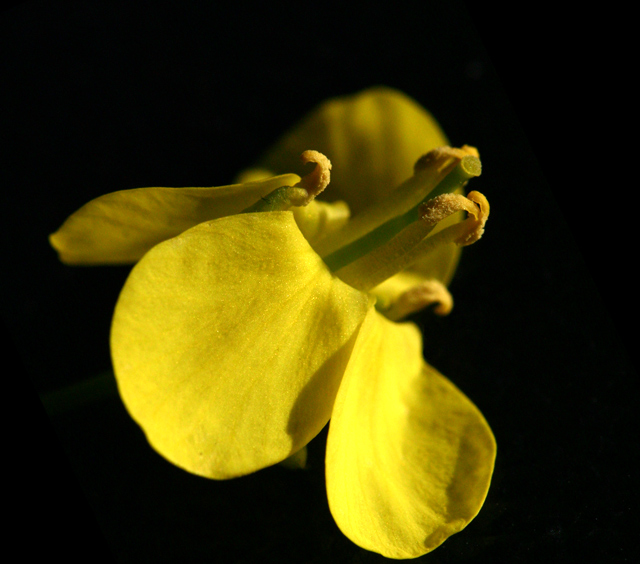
(229, 343)
(392, 288)
(423, 294)
(252, 175)
(318, 219)
(373, 139)
(118, 228)
(409, 457)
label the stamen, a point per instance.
(352, 251)
(420, 296)
(463, 233)
(318, 179)
(413, 242)
(431, 177)
(384, 261)
(303, 192)
(476, 225)
(444, 157)
(435, 210)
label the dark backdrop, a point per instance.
(102, 96)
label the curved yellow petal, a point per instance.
(318, 219)
(409, 457)
(229, 343)
(253, 175)
(120, 227)
(373, 139)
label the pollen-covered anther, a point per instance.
(443, 157)
(417, 298)
(318, 179)
(475, 204)
(435, 210)
(476, 223)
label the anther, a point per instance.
(425, 294)
(444, 157)
(443, 170)
(476, 223)
(318, 179)
(303, 192)
(435, 210)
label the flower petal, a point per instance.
(409, 457)
(229, 343)
(373, 139)
(118, 228)
(318, 219)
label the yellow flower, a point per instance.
(245, 326)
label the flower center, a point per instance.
(415, 241)
(468, 167)
(391, 235)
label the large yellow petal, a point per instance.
(373, 139)
(118, 228)
(229, 343)
(409, 457)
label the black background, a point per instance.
(102, 96)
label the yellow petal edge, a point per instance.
(120, 227)
(229, 343)
(409, 457)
